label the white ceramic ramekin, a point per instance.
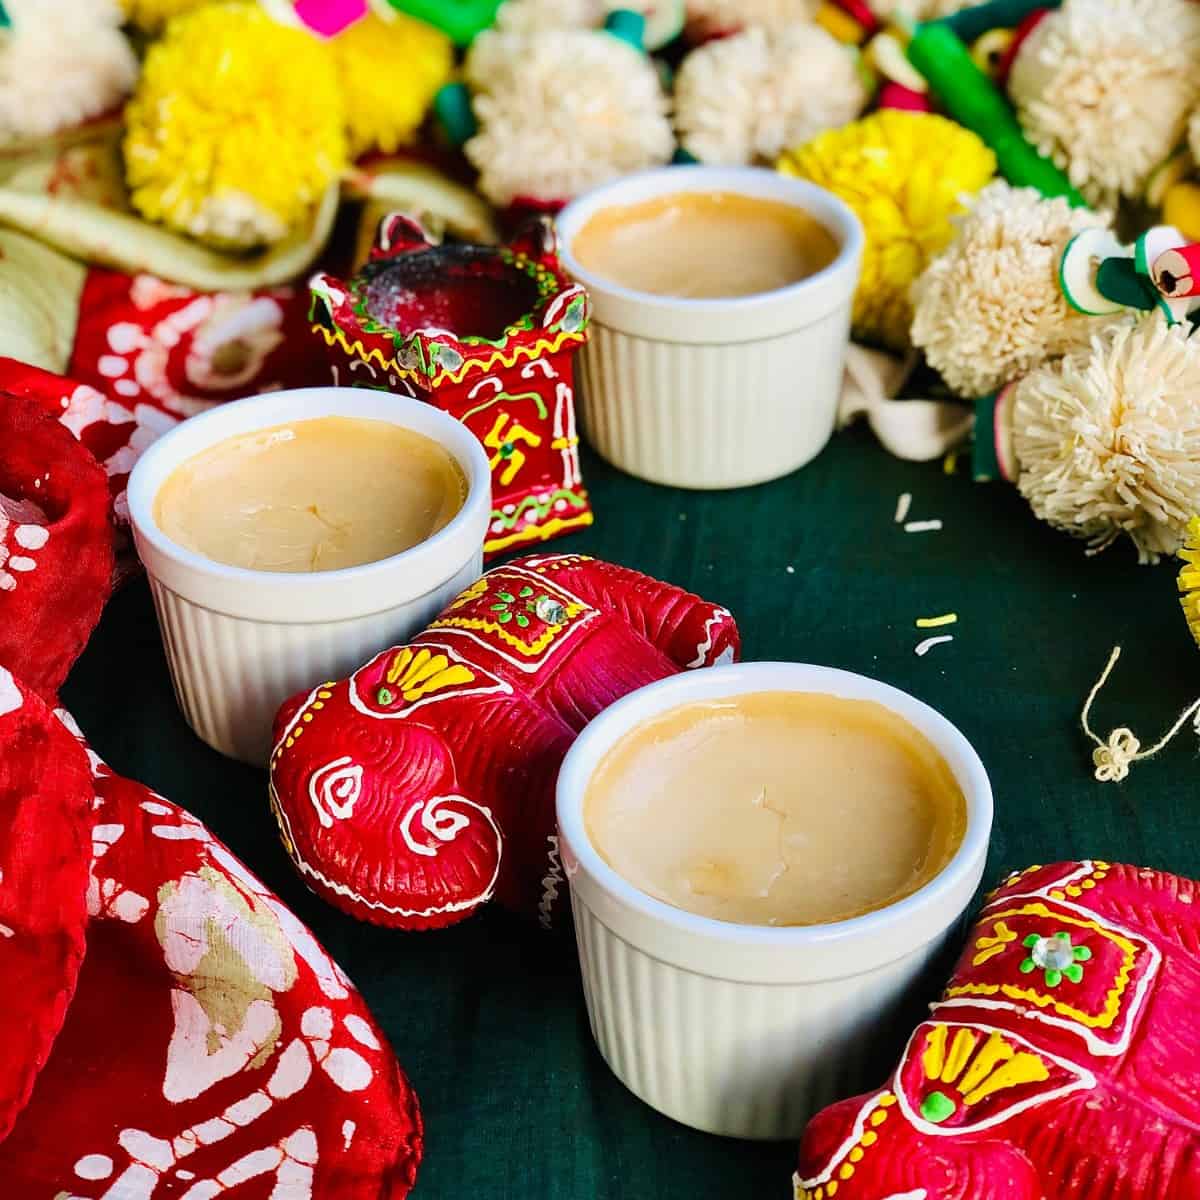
(748, 1030)
(240, 642)
(715, 393)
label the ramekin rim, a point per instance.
(576, 771)
(850, 231)
(140, 495)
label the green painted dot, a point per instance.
(384, 695)
(937, 1107)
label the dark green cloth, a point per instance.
(488, 1018)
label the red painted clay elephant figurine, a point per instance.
(411, 792)
(1062, 1063)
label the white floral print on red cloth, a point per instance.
(149, 353)
(212, 1048)
(142, 340)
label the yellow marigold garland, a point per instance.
(905, 174)
(389, 71)
(1189, 577)
(236, 127)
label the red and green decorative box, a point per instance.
(488, 335)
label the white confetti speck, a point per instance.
(922, 526)
(902, 506)
(928, 644)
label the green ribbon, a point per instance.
(1118, 280)
(985, 462)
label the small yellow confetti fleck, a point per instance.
(950, 462)
(870, 1138)
(936, 622)
(856, 1155)
(847, 1171)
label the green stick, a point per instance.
(974, 101)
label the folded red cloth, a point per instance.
(56, 546)
(148, 354)
(210, 1045)
(45, 859)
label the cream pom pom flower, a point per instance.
(60, 64)
(1108, 437)
(562, 111)
(537, 16)
(1104, 87)
(989, 307)
(916, 10)
(664, 18)
(711, 17)
(744, 98)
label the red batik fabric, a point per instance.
(145, 342)
(56, 546)
(148, 354)
(210, 1047)
(45, 859)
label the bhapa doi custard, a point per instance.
(704, 245)
(776, 808)
(315, 495)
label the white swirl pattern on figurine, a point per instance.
(334, 789)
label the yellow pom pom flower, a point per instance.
(151, 15)
(389, 71)
(906, 175)
(236, 127)
(1189, 577)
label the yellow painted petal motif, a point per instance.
(935, 1053)
(964, 1044)
(995, 1051)
(993, 1067)
(1021, 1068)
(477, 589)
(422, 672)
(990, 946)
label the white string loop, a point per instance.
(1113, 757)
